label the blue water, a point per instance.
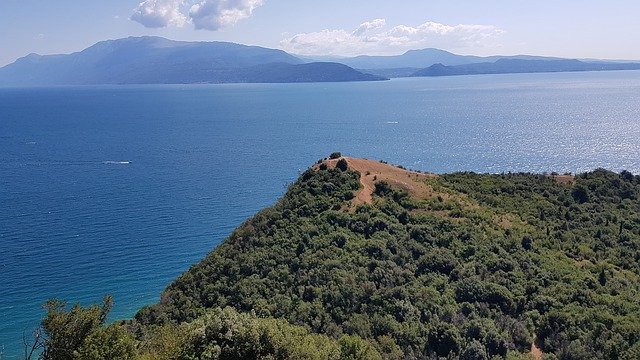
(117, 190)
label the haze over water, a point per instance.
(117, 190)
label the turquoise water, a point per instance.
(117, 190)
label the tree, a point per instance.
(354, 348)
(580, 194)
(78, 333)
(111, 343)
(335, 155)
(602, 277)
(474, 351)
(527, 242)
(342, 165)
(444, 339)
(33, 346)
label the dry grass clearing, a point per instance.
(536, 352)
(372, 171)
(565, 179)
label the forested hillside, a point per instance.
(363, 260)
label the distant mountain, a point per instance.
(155, 60)
(419, 63)
(413, 60)
(511, 66)
(410, 59)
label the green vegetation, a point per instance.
(481, 267)
(81, 333)
(342, 165)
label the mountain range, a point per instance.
(514, 66)
(413, 60)
(155, 60)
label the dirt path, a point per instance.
(372, 171)
(535, 351)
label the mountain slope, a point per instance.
(419, 59)
(431, 62)
(512, 66)
(410, 59)
(153, 60)
(426, 266)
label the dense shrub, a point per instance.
(342, 165)
(475, 270)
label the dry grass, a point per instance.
(372, 171)
(565, 179)
(536, 353)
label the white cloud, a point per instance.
(370, 25)
(214, 14)
(159, 13)
(203, 14)
(372, 38)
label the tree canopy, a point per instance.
(479, 267)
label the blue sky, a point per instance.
(570, 28)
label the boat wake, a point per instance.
(116, 162)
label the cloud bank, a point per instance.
(374, 38)
(203, 14)
(159, 13)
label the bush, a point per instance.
(227, 334)
(79, 333)
(474, 351)
(444, 339)
(335, 155)
(342, 165)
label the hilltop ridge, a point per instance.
(372, 171)
(460, 265)
(365, 260)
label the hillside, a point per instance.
(423, 266)
(154, 60)
(365, 260)
(514, 66)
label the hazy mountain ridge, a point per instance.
(155, 60)
(512, 66)
(416, 62)
(422, 58)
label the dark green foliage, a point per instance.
(580, 194)
(474, 272)
(335, 155)
(227, 334)
(444, 340)
(79, 333)
(527, 242)
(342, 165)
(474, 351)
(110, 343)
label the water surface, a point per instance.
(117, 190)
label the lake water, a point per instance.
(117, 190)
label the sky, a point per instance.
(564, 28)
